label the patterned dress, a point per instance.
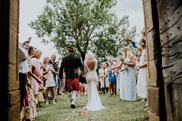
(30, 111)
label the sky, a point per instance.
(30, 9)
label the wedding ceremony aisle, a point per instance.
(116, 110)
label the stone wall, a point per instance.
(163, 23)
(9, 22)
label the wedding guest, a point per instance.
(142, 75)
(129, 76)
(37, 72)
(23, 70)
(61, 83)
(103, 78)
(135, 44)
(106, 81)
(52, 62)
(112, 78)
(118, 62)
(31, 110)
(120, 67)
(50, 83)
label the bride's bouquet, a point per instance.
(125, 68)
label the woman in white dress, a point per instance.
(142, 75)
(90, 66)
(103, 78)
(50, 83)
(38, 72)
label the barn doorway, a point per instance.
(163, 28)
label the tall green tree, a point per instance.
(84, 25)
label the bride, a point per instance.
(90, 66)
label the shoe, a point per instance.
(146, 109)
(146, 105)
(73, 106)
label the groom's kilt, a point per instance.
(72, 84)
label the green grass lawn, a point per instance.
(116, 110)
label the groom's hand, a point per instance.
(60, 80)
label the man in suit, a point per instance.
(70, 65)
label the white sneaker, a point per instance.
(146, 109)
(146, 104)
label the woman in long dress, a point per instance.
(90, 66)
(121, 83)
(129, 77)
(142, 75)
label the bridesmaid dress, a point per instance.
(129, 78)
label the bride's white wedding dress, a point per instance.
(94, 102)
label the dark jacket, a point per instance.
(55, 66)
(70, 65)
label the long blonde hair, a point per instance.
(37, 53)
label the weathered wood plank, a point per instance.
(169, 13)
(170, 22)
(174, 102)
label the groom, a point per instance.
(70, 65)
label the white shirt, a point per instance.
(23, 65)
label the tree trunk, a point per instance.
(83, 56)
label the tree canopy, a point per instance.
(84, 25)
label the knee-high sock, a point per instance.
(73, 97)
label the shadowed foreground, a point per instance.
(116, 110)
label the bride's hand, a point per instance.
(84, 76)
